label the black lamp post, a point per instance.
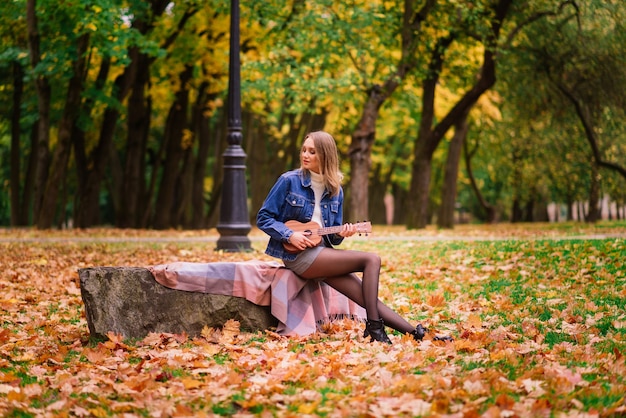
(233, 224)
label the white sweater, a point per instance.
(317, 183)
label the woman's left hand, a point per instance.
(348, 230)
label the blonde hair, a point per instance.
(327, 155)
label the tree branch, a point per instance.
(536, 16)
(179, 28)
(585, 119)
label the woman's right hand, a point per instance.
(300, 241)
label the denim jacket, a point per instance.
(292, 198)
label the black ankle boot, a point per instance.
(375, 329)
(419, 332)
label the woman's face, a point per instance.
(308, 156)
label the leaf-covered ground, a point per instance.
(538, 314)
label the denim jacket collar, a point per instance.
(305, 178)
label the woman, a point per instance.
(313, 193)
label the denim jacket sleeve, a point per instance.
(270, 218)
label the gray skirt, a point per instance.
(304, 259)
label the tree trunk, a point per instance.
(400, 205)
(88, 213)
(360, 152)
(365, 132)
(200, 124)
(181, 212)
(44, 93)
(78, 139)
(429, 137)
(490, 211)
(294, 139)
(148, 212)
(16, 115)
(516, 211)
(570, 209)
(448, 191)
(88, 203)
(218, 169)
(580, 211)
(29, 181)
(426, 142)
(174, 131)
(133, 187)
(382, 205)
(114, 184)
(58, 168)
(593, 215)
(378, 189)
(529, 211)
(260, 165)
(418, 198)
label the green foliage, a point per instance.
(311, 65)
(549, 153)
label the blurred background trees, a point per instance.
(113, 111)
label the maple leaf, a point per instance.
(230, 330)
(80, 411)
(475, 387)
(152, 339)
(115, 342)
(4, 335)
(208, 333)
(436, 300)
(190, 383)
(95, 356)
(533, 387)
(474, 321)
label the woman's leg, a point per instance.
(337, 268)
(350, 285)
(335, 264)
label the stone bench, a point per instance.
(128, 301)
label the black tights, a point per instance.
(337, 267)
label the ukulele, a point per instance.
(314, 231)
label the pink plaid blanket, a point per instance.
(299, 305)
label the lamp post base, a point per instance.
(233, 238)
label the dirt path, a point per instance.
(476, 234)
